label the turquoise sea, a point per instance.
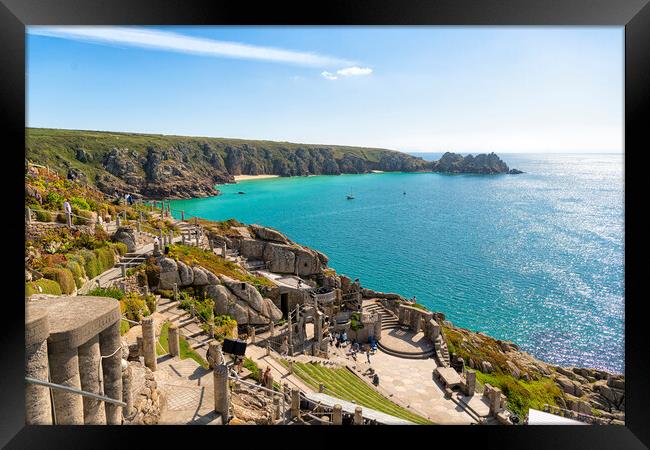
(535, 258)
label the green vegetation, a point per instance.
(134, 306)
(77, 272)
(46, 287)
(521, 394)
(256, 372)
(115, 293)
(216, 264)
(62, 276)
(355, 322)
(124, 327)
(419, 306)
(58, 150)
(185, 349)
(342, 383)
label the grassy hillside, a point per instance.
(157, 166)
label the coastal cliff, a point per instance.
(157, 166)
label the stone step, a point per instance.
(186, 321)
(203, 343)
(168, 306)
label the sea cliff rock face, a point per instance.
(155, 166)
(583, 390)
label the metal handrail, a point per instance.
(74, 391)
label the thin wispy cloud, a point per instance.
(347, 72)
(175, 42)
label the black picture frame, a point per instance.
(634, 15)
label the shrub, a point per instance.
(106, 258)
(62, 276)
(141, 276)
(135, 307)
(43, 216)
(85, 219)
(150, 301)
(75, 257)
(101, 234)
(107, 292)
(60, 217)
(79, 203)
(77, 272)
(121, 248)
(54, 200)
(91, 263)
(53, 260)
(153, 274)
(124, 327)
(46, 287)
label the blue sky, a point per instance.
(465, 89)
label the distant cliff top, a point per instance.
(157, 166)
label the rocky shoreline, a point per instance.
(177, 167)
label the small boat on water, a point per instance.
(350, 196)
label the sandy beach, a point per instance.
(253, 177)
(377, 171)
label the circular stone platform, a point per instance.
(405, 343)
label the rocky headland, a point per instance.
(157, 166)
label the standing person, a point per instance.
(67, 208)
(265, 377)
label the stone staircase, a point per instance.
(390, 322)
(388, 319)
(189, 327)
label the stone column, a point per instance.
(64, 370)
(268, 348)
(117, 220)
(123, 267)
(161, 237)
(358, 416)
(149, 343)
(175, 292)
(182, 216)
(223, 249)
(38, 407)
(171, 237)
(402, 314)
(197, 237)
(68, 219)
(89, 371)
(271, 328)
(140, 343)
(173, 339)
(318, 328)
(290, 366)
(269, 384)
(276, 408)
(139, 226)
(127, 393)
(295, 403)
(221, 393)
(337, 415)
(495, 401)
(470, 382)
(289, 331)
(252, 334)
(183, 238)
(28, 215)
(377, 328)
(109, 344)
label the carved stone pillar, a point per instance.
(89, 369)
(110, 344)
